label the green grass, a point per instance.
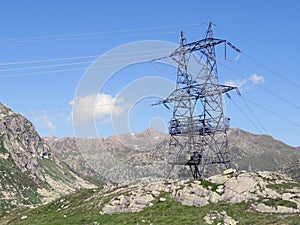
(74, 209)
(279, 202)
(209, 185)
(281, 188)
(54, 171)
(3, 150)
(21, 183)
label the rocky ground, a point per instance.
(261, 188)
(235, 198)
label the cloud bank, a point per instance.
(98, 107)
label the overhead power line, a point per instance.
(273, 113)
(81, 68)
(83, 57)
(254, 115)
(245, 115)
(284, 78)
(263, 88)
(273, 72)
(98, 34)
(89, 37)
(47, 66)
(48, 60)
(138, 104)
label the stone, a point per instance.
(210, 218)
(144, 199)
(229, 221)
(123, 200)
(220, 190)
(284, 209)
(215, 197)
(162, 199)
(287, 196)
(269, 193)
(24, 217)
(263, 208)
(155, 193)
(110, 209)
(229, 171)
(240, 184)
(218, 179)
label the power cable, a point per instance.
(272, 71)
(255, 117)
(245, 115)
(263, 88)
(264, 54)
(85, 105)
(76, 63)
(43, 67)
(82, 57)
(273, 113)
(48, 60)
(68, 36)
(74, 69)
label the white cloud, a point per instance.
(44, 122)
(236, 83)
(100, 107)
(254, 79)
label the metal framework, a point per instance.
(198, 127)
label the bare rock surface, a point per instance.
(261, 189)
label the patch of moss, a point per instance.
(209, 185)
(280, 188)
(279, 202)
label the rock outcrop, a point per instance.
(212, 216)
(266, 191)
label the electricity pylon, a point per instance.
(198, 127)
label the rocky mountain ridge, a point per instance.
(147, 149)
(29, 172)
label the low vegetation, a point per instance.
(80, 208)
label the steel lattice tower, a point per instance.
(198, 127)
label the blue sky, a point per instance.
(266, 31)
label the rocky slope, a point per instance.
(146, 150)
(259, 152)
(29, 172)
(137, 155)
(236, 198)
(292, 168)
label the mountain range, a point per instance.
(36, 171)
(145, 151)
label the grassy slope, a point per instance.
(73, 209)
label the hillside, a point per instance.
(243, 198)
(145, 152)
(29, 172)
